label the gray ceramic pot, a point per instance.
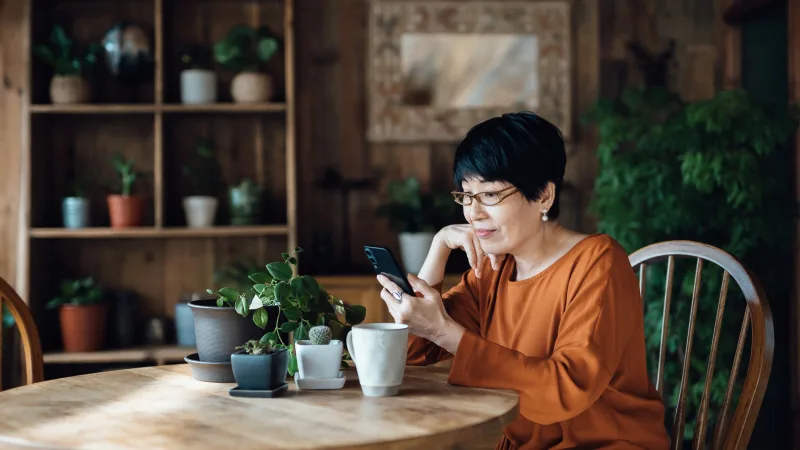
(260, 372)
(219, 330)
(184, 325)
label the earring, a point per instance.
(544, 215)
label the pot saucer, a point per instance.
(319, 383)
(278, 391)
(213, 372)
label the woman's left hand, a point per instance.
(425, 315)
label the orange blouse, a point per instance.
(570, 340)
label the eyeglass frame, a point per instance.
(475, 196)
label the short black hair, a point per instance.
(520, 148)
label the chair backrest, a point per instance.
(31, 346)
(728, 434)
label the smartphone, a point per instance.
(384, 263)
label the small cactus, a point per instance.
(320, 335)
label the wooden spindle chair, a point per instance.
(728, 434)
(31, 346)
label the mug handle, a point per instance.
(350, 346)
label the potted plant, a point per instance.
(203, 176)
(319, 356)
(75, 208)
(416, 217)
(258, 366)
(301, 301)
(198, 81)
(245, 50)
(125, 209)
(82, 314)
(245, 202)
(69, 64)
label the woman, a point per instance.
(551, 313)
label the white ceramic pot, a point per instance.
(76, 212)
(68, 89)
(414, 249)
(200, 211)
(319, 361)
(198, 86)
(251, 87)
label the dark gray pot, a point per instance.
(219, 330)
(260, 372)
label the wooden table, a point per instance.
(164, 407)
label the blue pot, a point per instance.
(184, 325)
(260, 372)
(75, 211)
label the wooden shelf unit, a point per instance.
(159, 355)
(162, 260)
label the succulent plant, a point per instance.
(320, 335)
(255, 348)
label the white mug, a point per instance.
(379, 352)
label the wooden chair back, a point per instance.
(728, 434)
(31, 346)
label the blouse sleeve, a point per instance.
(591, 340)
(461, 304)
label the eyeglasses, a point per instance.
(484, 198)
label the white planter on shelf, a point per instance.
(319, 361)
(200, 210)
(414, 249)
(198, 86)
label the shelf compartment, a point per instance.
(152, 232)
(75, 148)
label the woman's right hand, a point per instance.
(462, 236)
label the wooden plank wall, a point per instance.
(332, 38)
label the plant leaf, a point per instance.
(310, 285)
(241, 306)
(229, 293)
(280, 271)
(301, 332)
(260, 318)
(292, 313)
(269, 337)
(355, 314)
(290, 326)
(261, 277)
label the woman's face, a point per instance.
(505, 227)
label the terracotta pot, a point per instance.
(125, 211)
(251, 87)
(66, 89)
(83, 328)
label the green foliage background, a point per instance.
(711, 171)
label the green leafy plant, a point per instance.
(79, 292)
(410, 210)
(245, 48)
(64, 56)
(711, 171)
(203, 174)
(8, 319)
(299, 298)
(127, 173)
(256, 348)
(320, 335)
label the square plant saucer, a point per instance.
(277, 392)
(319, 383)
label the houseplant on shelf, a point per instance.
(69, 64)
(82, 314)
(198, 81)
(125, 209)
(711, 171)
(203, 176)
(259, 366)
(75, 208)
(301, 301)
(245, 51)
(416, 216)
(245, 202)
